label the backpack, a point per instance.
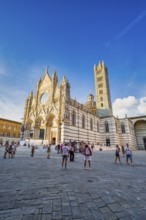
(88, 151)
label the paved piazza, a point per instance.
(38, 189)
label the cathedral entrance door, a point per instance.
(54, 140)
(51, 129)
(42, 133)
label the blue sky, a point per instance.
(71, 36)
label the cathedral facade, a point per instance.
(52, 115)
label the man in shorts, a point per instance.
(65, 152)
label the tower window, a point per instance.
(100, 91)
(101, 98)
(100, 85)
(99, 79)
(101, 104)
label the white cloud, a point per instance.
(130, 106)
(142, 106)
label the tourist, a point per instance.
(58, 148)
(87, 156)
(71, 152)
(10, 151)
(128, 155)
(32, 150)
(65, 153)
(117, 154)
(49, 151)
(123, 151)
(6, 151)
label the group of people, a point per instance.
(10, 150)
(68, 151)
(125, 151)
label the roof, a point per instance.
(10, 120)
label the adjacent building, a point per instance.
(52, 115)
(9, 130)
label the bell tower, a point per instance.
(102, 89)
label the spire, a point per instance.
(99, 65)
(54, 74)
(47, 68)
(102, 63)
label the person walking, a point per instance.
(71, 152)
(87, 156)
(128, 155)
(10, 151)
(65, 152)
(32, 150)
(49, 151)
(117, 154)
(123, 150)
(6, 151)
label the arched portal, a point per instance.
(140, 132)
(51, 129)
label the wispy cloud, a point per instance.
(126, 29)
(131, 25)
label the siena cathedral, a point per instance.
(53, 116)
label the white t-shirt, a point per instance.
(65, 150)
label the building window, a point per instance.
(101, 99)
(106, 127)
(8, 134)
(74, 118)
(101, 104)
(83, 121)
(2, 135)
(97, 127)
(100, 85)
(91, 124)
(13, 135)
(123, 128)
(100, 92)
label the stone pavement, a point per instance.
(38, 189)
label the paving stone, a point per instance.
(37, 217)
(46, 217)
(110, 216)
(76, 213)
(47, 208)
(104, 210)
(66, 210)
(115, 207)
(57, 215)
